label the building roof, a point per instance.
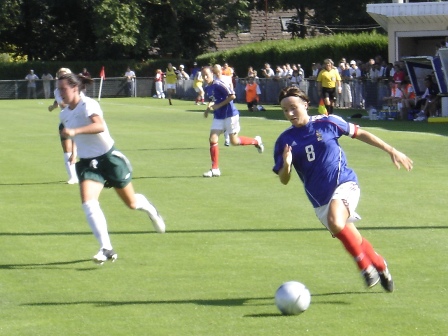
(409, 13)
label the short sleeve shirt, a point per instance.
(217, 92)
(317, 156)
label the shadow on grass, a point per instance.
(232, 302)
(52, 265)
(87, 233)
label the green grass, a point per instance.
(230, 241)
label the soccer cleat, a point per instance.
(386, 280)
(73, 181)
(157, 220)
(260, 145)
(212, 173)
(103, 255)
(371, 276)
(226, 143)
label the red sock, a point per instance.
(348, 239)
(244, 141)
(377, 260)
(214, 154)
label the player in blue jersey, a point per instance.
(311, 147)
(225, 118)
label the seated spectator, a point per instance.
(394, 97)
(407, 98)
(429, 102)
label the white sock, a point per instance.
(142, 203)
(97, 222)
(67, 164)
(226, 137)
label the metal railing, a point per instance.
(358, 93)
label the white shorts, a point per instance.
(170, 86)
(348, 192)
(230, 125)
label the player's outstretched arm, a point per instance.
(397, 157)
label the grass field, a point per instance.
(230, 241)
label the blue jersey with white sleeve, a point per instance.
(317, 156)
(217, 92)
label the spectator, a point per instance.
(31, 86)
(394, 97)
(158, 80)
(182, 75)
(267, 72)
(407, 101)
(46, 79)
(251, 72)
(85, 73)
(356, 85)
(130, 78)
(253, 95)
(429, 102)
(346, 95)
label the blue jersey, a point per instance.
(217, 92)
(317, 156)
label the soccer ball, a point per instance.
(292, 298)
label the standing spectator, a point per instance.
(346, 95)
(225, 118)
(251, 72)
(31, 85)
(327, 81)
(85, 73)
(267, 72)
(170, 82)
(253, 95)
(356, 85)
(130, 79)
(100, 165)
(47, 79)
(158, 80)
(313, 93)
(182, 75)
(310, 146)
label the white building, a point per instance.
(413, 28)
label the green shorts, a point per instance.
(112, 169)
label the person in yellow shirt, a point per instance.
(170, 82)
(197, 86)
(327, 81)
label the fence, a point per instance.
(356, 93)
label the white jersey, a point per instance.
(57, 97)
(89, 145)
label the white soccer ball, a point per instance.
(292, 298)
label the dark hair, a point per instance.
(292, 91)
(76, 80)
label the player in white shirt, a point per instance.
(100, 163)
(68, 146)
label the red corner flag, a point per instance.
(102, 73)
